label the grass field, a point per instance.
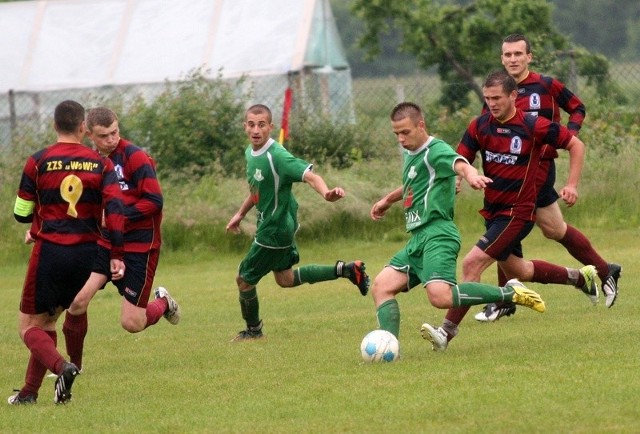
(573, 369)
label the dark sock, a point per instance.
(36, 371)
(545, 272)
(250, 307)
(43, 348)
(580, 248)
(75, 330)
(155, 310)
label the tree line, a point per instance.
(606, 27)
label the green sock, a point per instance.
(388, 314)
(313, 274)
(472, 293)
(250, 307)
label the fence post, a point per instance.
(400, 93)
(12, 116)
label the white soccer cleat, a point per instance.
(172, 314)
(437, 337)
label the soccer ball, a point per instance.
(380, 346)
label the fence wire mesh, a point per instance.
(361, 101)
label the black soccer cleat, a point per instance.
(16, 399)
(62, 391)
(355, 272)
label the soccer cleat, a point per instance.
(172, 314)
(525, 297)
(355, 272)
(610, 284)
(493, 312)
(437, 337)
(62, 390)
(250, 333)
(16, 399)
(590, 287)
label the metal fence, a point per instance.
(365, 101)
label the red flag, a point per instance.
(286, 108)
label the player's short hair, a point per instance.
(501, 78)
(257, 109)
(100, 116)
(68, 116)
(407, 110)
(517, 37)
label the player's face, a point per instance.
(105, 138)
(502, 105)
(516, 59)
(410, 135)
(258, 129)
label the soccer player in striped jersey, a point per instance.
(66, 191)
(429, 258)
(143, 203)
(511, 143)
(545, 96)
(271, 172)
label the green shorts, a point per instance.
(260, 261)
(431, 254)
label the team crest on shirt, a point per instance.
(120, 174)
(516, 145)
(258, 175)
(412, 172)
(534, 101)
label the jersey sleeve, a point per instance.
(469, 145)
(551, 133)
(291, 167)
(571, 104)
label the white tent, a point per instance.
(54, 49)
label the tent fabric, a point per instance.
(52, 45)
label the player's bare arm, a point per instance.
(317, 183)
(569, 193)
(471, 175)
(234, 223)
(380, 208)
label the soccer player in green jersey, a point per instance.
(429, 257)
(271, 172)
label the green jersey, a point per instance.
(429, 184)
(271, 172)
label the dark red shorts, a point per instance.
(504, 237)
(55, 274)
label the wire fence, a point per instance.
(364, 101)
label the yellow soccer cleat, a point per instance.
(526, 297)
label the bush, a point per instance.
(193, 126)
(326, 140)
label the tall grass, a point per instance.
(572, 369)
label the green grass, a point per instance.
(571, 369)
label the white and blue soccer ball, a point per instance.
(380, 346)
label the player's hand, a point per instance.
(334, 194)
(458, 184)
(379, 209)
(234, 224)
(478, 182)
(569, 195)
(117, 269)
(28, 239)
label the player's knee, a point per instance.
(553, 231)
(132, 324)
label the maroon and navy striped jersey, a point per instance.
(511, 152)
(541, 95)
(66, 187)
(142, 197)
